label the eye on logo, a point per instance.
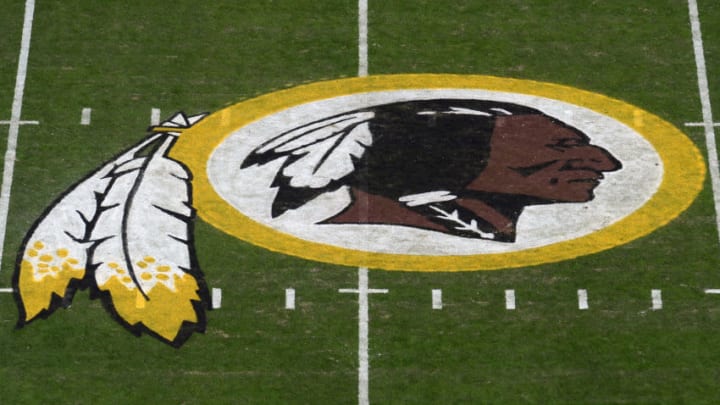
(439, 172)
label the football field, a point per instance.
(633, 322)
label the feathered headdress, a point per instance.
(126, 233)
(317, 157)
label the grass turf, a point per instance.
(123, 59)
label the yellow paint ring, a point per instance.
(684, 173)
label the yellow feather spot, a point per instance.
(164, 312)
(142, 265)
(56, 269)
(146, 276)
(62, 252)
(126, 279)
(162, 277)
(46, 258)
(149, 259)
(43, 265)
(37, 289)
(163, 268)
(120, 271)
(72, 261)
(32, 252)
(113, 265)
(38, 245)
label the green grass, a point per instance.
(122, 59)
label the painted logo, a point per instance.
(406, 172)
(439, 172)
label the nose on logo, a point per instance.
(438, 172)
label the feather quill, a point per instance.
(52, 259)
(143, 257)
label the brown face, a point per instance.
(532, 156)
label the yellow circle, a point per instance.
(684, 173)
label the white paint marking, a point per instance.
(656, 299)
(15, 114)
(436, 299)
(289, 298)
(6, 290)
(155, 116)
(363, 332)
(510, 299)
(704, 91)
(700, 124)
(216, 298)
(582, 299)
(21, 122)
(712, 291)
(362, 38)
(85, 116)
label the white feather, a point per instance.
(55, 250)
(328, 160)
(305, 135)
(143, 249)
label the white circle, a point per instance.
(620, 193)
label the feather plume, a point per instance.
(143, 257)
(132, 215)
(317, 156)
(52, 260)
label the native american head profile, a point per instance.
(461, 167)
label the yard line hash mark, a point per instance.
(363, 292)
(700, 124)
(582, 299)
(704, 92)
(15, 114)
(155, 116)
(216, 298)
(712, 291)
(437, 299)
(85, 116)
(656, 296)
(6, 122)
(6, 290)
(289, 298)
(510, 300)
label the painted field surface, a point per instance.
(124, 59)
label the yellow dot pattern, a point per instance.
(48, 262)
(149, 272)
(46, 271)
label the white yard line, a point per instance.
(15, 115)
(362, 38)
(363, 338)
(363, 292)
(706, 107)
(363, 284)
